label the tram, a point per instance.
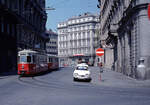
(53, 62)
(33, 62)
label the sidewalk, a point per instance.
(115, 79)
(7, 74)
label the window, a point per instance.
(83, 27)
(81, 68)
(23, 59)
(88, 34)
(28, 58)
(75, 35)
(83, 20)
(50, 59)
(34, 58)
(83, 34)
(74, 28)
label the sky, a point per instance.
(65, 9)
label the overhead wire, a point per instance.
(58, 4)
(61, 3)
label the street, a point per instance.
(58, 88)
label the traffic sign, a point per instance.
(99, 52)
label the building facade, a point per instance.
(52, 44)
(125, 36)
(31, 28)
(78, 38)
(22, 26)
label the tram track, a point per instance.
(37, 83)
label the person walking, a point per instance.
(101, 70)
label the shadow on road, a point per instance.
(41, 73)
(6, 74)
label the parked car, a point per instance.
(81, 72)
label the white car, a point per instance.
(81, 72)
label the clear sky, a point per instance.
(65, 9)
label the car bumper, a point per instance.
(82, 77)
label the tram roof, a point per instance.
(27, 51)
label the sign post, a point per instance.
(100, 52)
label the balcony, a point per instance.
(113, 29)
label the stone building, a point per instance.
(31, 29)
(52, 44)
(22, 26)
(125, 36)
(77, 39)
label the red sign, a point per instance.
(149, 11)
(100, 52)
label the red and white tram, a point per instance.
(33, 62)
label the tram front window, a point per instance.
(28, 58)
(25, 58)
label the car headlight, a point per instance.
(87, 74)
(75, 74)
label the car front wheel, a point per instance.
(74, 79)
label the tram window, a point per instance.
(28, 58)
(53, 59)
(49, 59)
(23, 59)
(57, 59)
(34, 58)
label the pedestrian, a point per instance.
(101, 70)
(101, 67)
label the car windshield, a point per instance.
(81, 68)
